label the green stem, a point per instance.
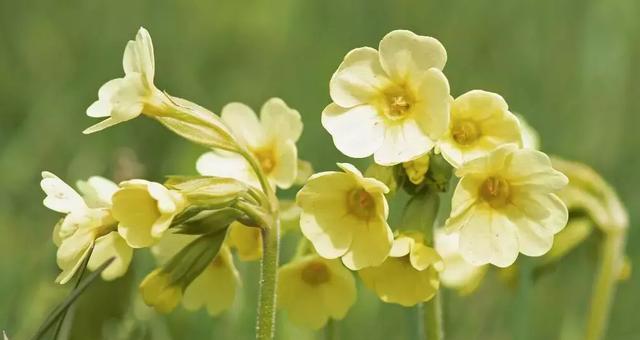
(605, 284)
(433, 318)
(330, 330)
(268, 283)
(522, 302)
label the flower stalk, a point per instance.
(432, 309)
(611, 259)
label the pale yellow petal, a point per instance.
(404, 53)
(109, 246)
(228, 165)
(60, 196)
(359, 78)
(433, 106)
(489, 237)
(370, 246)
(244, 124)
(286, 170)
(357, 132)
(281, 121)
(403, 141)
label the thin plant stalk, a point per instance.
(432, 309)
(330, 330)
(269, 263)
(611, 258)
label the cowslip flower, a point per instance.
(409, 275)
(312, 290)
(505, 204)
(480, 122)
(145, 211)
(123, 99)
(214, 288)
(458, 274)
(246, 240)
(344, 214)
(88, 229)
(270, 139)
(392, 102)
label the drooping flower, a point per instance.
(345, 215)
(417, 169)
(480, 122)
(457, 274)
(246, 240)
(409, 275)
(88, 229)
(214, 288)
(312, 290)
(392, 102)
(145, 211)
(123, 99)
(505, 204)
(271, 140)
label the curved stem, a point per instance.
(268, 283)
(605, 284)
(330, 330)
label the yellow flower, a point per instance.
(159, 292)
(504, 204)
(457, 274)
(123, 99)
(392, 102)
(409, 275)
(271, 140)
(312, 290)
(417, 169)
(480, 122)
(145, 211)
(88, 229)
(246, 240)
(215, 288)
(345, 215)
(588, 192)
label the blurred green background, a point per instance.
(572, 68)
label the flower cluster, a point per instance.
(392, 103)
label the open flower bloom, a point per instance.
(392, 102)
(123, 99)
(215, 288)
(145, 211)
(88, 229)
(271, 140)
(246, 240)
(345, 215)
(409, 275)
(312, 290)
(505, 204)
(480, 122)
(458, 274)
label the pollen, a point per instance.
(315, 273)
(399, 102)
(495, 191)
(266, 158)
(465, 132)
(360, 203)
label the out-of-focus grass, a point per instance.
(571, 67)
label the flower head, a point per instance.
(505, 204)
(270, 139)
(392, 102)
(312, 290)
(480, 122)
(88, 229)
(409, 275)
(344, 215)
(214, 288)
(159, 292)
(145, 211)
(457, 274)
(123, 99)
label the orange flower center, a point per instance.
(360, 203)
(315, 273)
(465, 132)
(495, 191)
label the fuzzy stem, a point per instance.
(268, 283)
(605, 284)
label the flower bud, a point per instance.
(159, 292)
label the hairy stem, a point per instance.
(268, 283)
(611, 258)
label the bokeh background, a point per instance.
(570, 67)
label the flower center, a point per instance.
(399, 102)
(266, 159)
(465, 132)
(315, 273)
(495, 191)
(360, 203)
